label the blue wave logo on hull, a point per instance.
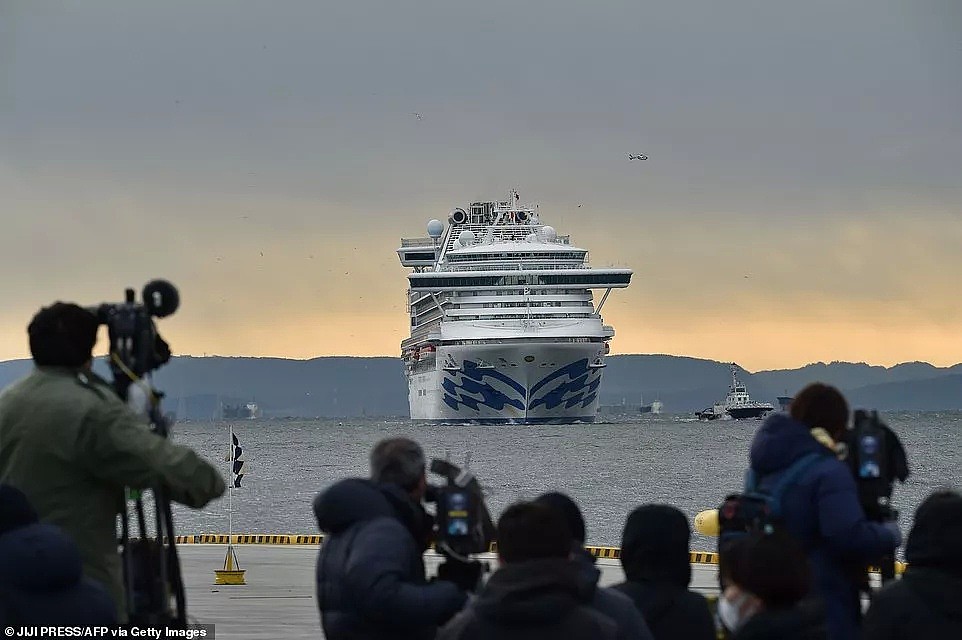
(572, 392)
(471, 387)
(473, 384)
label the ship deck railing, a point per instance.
(507, 266)
(417, 242)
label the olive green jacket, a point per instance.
(72, 445)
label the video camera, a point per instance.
(877, 459)
(151, 566)
(463, 524)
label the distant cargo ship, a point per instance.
(249, 411)
(655, 407)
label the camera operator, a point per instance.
(71, 445)
(821, 508)
(370, 571)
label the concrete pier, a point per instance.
(278, 599)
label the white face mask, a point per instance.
(729, 614)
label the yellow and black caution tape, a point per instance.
(613, 553)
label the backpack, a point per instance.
(757, 509)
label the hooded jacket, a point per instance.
(370, 570)
(654, 554)
(822, 511)
(610, 602)
(805, 621)
(531, 600)
(71, 445)
(927, 601)
(42, 582)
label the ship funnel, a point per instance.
(458, 216)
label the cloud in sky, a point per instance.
(815, 148)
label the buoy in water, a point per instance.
(706, 522)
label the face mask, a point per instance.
(729, 614)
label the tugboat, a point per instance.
(738, 405)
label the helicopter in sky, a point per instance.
(640, 156)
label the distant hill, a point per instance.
(345, 386)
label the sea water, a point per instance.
(608, 468)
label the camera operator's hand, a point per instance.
(467, 575)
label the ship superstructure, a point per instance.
(504, 325)
(738, 404)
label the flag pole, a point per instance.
(230, 488)
(231, 573)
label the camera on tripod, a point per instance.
(877, 459)
(136, 348)
(150, 565)
(464, 526)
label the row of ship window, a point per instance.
(564, 255)
(548, 303)
(512, 280)
(516, 316)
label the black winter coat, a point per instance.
(533, 600)
(672, 612)
(804, 622)
(612, 603)
(925, 603)
(370, 571)
(42, 582)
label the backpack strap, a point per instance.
(788, 478)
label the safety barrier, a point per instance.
(614, 553)
(697, 557)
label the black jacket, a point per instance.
(925, 603)
(804, 622)
(370, 570)
(42, 582)
(654, 554)
(531, 600)
(612, 603)
(671, 612)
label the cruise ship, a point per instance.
(504, 324)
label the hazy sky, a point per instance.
(814, 147)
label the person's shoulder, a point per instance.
(612, 599)
(459, 626)
(587, 622)
(77, 390)
(384, 531)
(93, 384)
(829, 469)
(693, 598)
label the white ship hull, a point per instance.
(523, 382)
